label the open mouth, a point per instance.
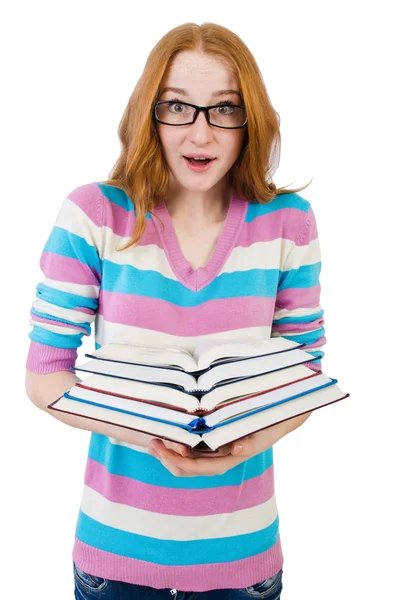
(199, 161)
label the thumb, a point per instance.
(243, 447)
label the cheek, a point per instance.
(235, 144)
(169, 140)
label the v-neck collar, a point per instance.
(196, 279)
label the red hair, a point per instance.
(141, 170)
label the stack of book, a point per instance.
(221, 392)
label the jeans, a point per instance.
(89, 587)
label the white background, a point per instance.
(68, 71)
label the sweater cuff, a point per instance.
(49, 359)
(314, 366)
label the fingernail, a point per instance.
(237, 449)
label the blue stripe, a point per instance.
(116, 196)
(119, 197)
(317, 354)
(58, 340)
(168, 552)
(126, 279)
(65, 299)
(86, 326)
(305, 277)
(120, 460)
(66, 243)
(303, 319)
(278, 203)
(306, 338)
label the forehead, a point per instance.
(191, 70)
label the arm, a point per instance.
(298, 315)
(65, 307)
(42, 390)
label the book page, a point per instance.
(161, 355)
(206, 353)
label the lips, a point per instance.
(198, 164)
(198, 159)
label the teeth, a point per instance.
(199, 158)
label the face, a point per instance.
(203, 80)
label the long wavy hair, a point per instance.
(141, 170)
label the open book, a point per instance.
(206, 437)
(226, 362)
(231, 409)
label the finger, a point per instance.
(198, 466)
(178, 448)
(245, 447)
(157, 444)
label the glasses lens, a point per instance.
(174, 113)
(227, 116)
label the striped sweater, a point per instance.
(137, 522)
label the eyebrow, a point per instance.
(185, 93)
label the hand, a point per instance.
(181, 461)
(189, 452)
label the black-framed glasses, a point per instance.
(226, 116)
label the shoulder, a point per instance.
(100, 201)
(114, 196)
(284, 205)
(287, 215)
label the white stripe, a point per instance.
(294, 333)
(87, 291)
(69, 314)
(142, 449)
(276, 254)
(297, 312)
(145, 258)
(72, 218)
(160, 526)
(55, 328)
(303, 255)
(116, 333)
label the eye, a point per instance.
(176, 107)
(225, 109)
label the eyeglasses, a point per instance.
(226, 116)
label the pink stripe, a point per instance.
(284, 223)
(89, 198)
(200, 578)
(318, 343)
(292, 298)
(63, 268)
(57, 323)
(314, 366)
(310, 233)
(122, 222)
(187, 502)
(210, 317)
(48, 359)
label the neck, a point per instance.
(202, 208)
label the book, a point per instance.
(203, 420)
(232, 361)
(201, 403)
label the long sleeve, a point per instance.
(298, 315)
(67, 298)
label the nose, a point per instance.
(201, 132)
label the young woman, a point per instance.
(188, 240)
